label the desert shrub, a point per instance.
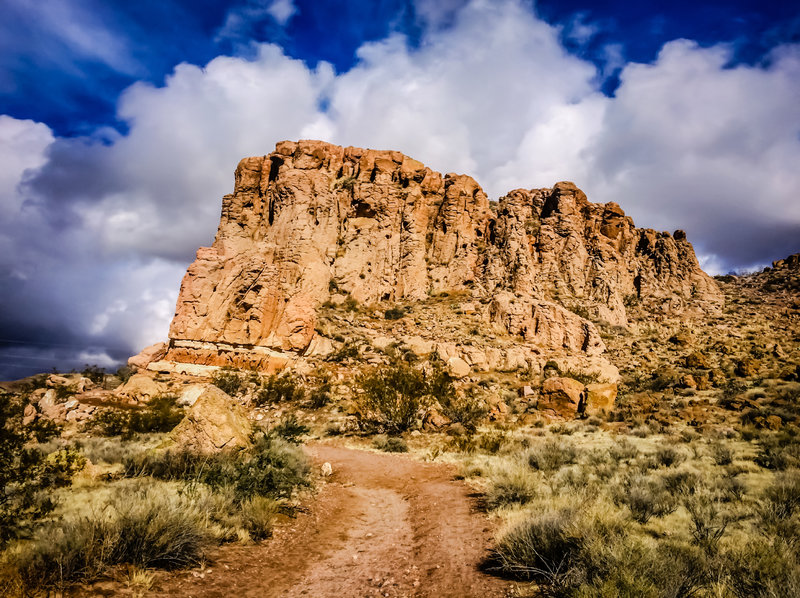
(680, 481)
(390, 444)
(280, 388)
(290, 429)
(229, 381)
(510, 485)
(465, 407)
(709, 521)
(646, 497)
(763, 569)
(271, 467)
(581, 376)
(349, 350)
(27, 474)
(730, 488)
(141, 526)
(394, 313)
(783, 495)
(622, 450)
(492, 441)
(161, 414)
(667, 456)
(721, 453)
(95, 373)
(577, 553)
(551, 454)
(124, 373)
(778, 451)
(258, 513)
(391, 398)
(43, 429)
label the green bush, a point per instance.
(390, 444)
(271, 467)
(646, 498)
(27, 475)
(142, 527)
(783, 495)
(229, 381)
(349, 350)
(394, 313)
(161, 414)
(280, 388)
(512, 485)
(290, 429)
(392, 398)
(552, 454)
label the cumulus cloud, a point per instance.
(100, 229)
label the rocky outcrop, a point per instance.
(312, 221)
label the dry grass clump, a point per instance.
(166, 511)
(646, 518)
(139, 524)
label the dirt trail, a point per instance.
(384, 525)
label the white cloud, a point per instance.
(242, 20)
(110, 224)
(689, 143)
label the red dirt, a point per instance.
(383, 525)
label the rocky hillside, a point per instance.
(313, 224)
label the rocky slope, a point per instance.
(313, 223)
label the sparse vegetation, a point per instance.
(159, 415)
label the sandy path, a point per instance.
(384, 525)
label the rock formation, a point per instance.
(313, 220)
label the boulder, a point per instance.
(188, 395)
(215, 422)
(147, 355)
(600, 398)
(747, 367)
(697, 360)
(140, 387)
(561, 396)
(457, 367)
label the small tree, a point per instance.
(391, 398)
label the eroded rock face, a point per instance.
(312, 221)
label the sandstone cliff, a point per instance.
(312, 221)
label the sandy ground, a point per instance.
(382, 525)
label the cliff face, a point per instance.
(312, 220)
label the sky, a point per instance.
(121, 124)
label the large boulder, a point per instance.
(215, 422)
(561, 397)
(600, 398)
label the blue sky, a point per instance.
(121, 123)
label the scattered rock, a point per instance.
(327, 469)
